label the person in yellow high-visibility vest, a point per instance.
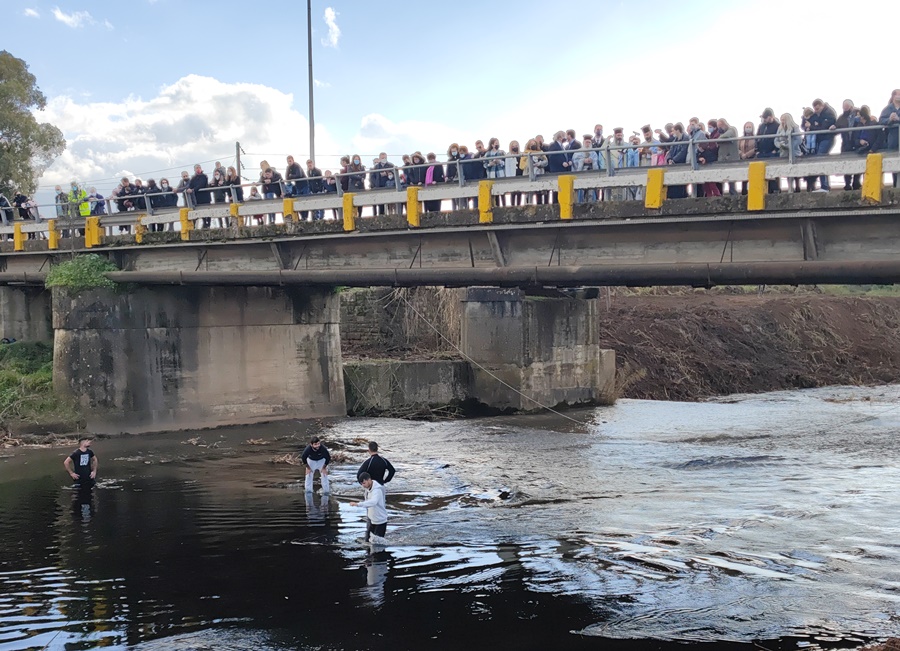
(78, 197)
(78, 200)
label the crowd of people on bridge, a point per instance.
(699, 144)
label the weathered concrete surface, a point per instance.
(545, 348)
(25, 314)
(406, 388)
(178, 357)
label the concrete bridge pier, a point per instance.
(175, 357)
(25, 313)
(546, 348)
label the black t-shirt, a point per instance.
(82, 463)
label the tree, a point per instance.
(27, 147)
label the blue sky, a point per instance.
(148, 87)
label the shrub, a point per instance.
(82, 272)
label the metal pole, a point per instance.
(237, 158)
(312, 117)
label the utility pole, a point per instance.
(237, 157)
(312, 117)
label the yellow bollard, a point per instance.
(655, 194)
(412, 206)
(18, 238)
(566, 187)
(92, 232)
(52, 235)
(186, 224)
(757, 186)
(349, 212)
(139, 229)
(288, 210)
(485, 202)
(873, 181)
(236, 220)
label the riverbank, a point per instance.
(30, 412)
(698, 345)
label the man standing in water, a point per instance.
(376, 510)
(376, 466)
(82, 464)
(316, 457)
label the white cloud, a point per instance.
(74, 20)
(108, 25)
(31, 13)
(378, 133)
(334, 32)
(195, 119)
(321, 84)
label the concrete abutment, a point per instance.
(187, 357)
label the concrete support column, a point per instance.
(545, 348)
(186, 357)
(25, 314)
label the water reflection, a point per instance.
(758, 518)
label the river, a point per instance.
(742, 523)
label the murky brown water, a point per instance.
(766, 519)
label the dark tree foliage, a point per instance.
(27, 146)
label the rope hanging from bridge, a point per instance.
(481, 367)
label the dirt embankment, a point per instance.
(692, 346)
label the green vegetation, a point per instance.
(26, 388)
(82, 272)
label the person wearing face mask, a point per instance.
(98, 205)
(357, 176)
(382, 169)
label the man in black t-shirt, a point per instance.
(376, 465)
(82, 464)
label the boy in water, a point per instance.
(82, 464)
(376, 514)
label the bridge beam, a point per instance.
(183, 357)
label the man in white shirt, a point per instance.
(376, 511)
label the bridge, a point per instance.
(840, 237)
(242, 324)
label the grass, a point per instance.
(26, 388)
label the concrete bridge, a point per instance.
(241, 324)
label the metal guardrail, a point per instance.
(185, 219)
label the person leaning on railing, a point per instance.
(890, 119)
(765, 142)
(848, 119)
(822, 119)
(98, 205)
(787, 141)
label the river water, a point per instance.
(751, 522)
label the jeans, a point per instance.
(271, 195)
(823, 147)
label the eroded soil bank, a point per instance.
(691, 346)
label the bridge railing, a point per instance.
(348, 206)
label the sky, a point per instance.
(147, 88)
